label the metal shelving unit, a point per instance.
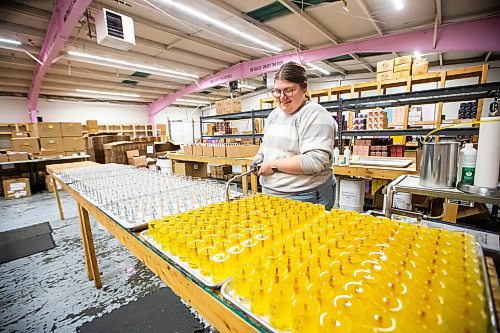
(439, 95)
(409, 132)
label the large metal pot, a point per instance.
(438, 168)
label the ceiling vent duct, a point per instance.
(115, 30)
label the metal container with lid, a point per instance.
(438, 167)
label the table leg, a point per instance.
(253, 182)
(87, 232)
(171, 165)
(90, 272)
(244, 181)
(58, 198)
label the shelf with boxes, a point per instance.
(9, 131)
(408, 80)
(214, 130)
(49, 139)
(134, 130)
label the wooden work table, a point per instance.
(244, 162)
(208, 302)
(378, 172)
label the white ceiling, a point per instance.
(169, 38)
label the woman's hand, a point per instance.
(266, 168)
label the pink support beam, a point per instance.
(66, 15)
(474, 35)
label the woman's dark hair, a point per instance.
(293, 72)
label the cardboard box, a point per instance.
(382, 76)
(49, 184)
(233, 151)
(207, 150)
(71, 129)
(18, 157)
(248, 150)
(232, 105)
(402, 67)
(403, 60)
(27, 145)
(47, 130)
(197, 150)
(210, 129)
(46, 153)
(191, 169)
(138, 161)
(188, 149)
(220, 151)
(16, 188)
(385, 66)
(55, 144)
(73, 143)
(4, 158)
(92, 126)
(401, 75)
(420, 67)
(132, 153)
(219, 107)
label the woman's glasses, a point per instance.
(287, 92)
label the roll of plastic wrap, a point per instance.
(488, 153)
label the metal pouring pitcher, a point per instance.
(438, 168)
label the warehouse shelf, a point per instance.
(452, 94)
(409, 132)
(233, 136)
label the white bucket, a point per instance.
(352, 194)
(402, 200)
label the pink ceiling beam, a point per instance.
(474, 35)
(66, 15)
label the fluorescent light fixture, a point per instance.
(247, 86)
(399, 4)
(417, 55)
(10, 41)
(191, 101)
(130, 64)
(206, 18)
(316, 68)
(97, 92)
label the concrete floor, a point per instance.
(49, 291)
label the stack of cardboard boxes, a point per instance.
(220, 171)
(385, 70)
(227, 106)
(221, 150)
(51, 139)
(371, 120)
(381, 147)
(72, 138)
(95, 145)
(401, 67)
(396, 116)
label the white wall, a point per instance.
(14, 109)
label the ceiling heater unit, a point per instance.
(115, 30)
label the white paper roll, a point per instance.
(488, 153)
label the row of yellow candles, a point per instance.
(311, 270)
